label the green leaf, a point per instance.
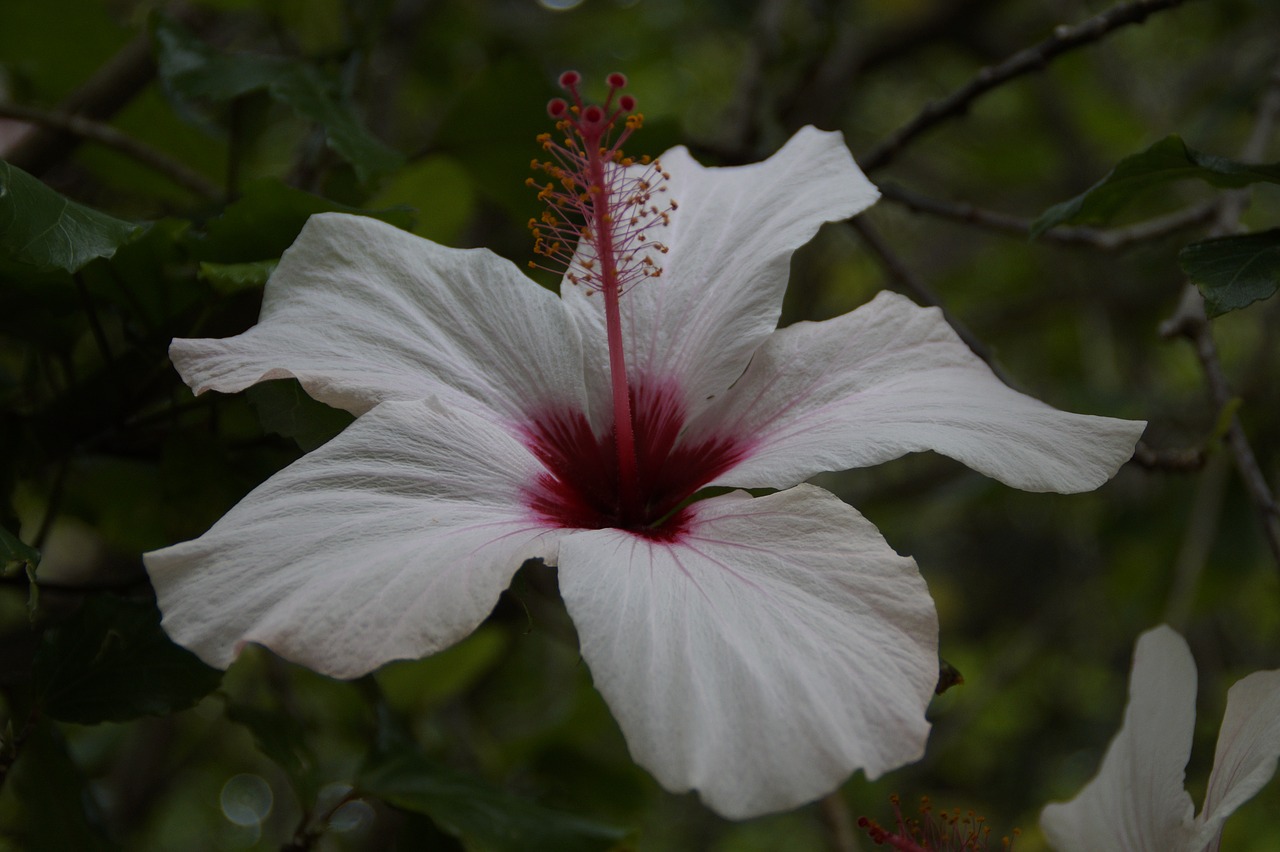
(44, 229)
(482, 816)
(266, 220)
(192, 70)
(1235, 271)
(229, 278)
(1168, 160)
(46, 805)
(111, 662)
(15, 554)
(284, 408)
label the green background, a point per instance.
(426, 112)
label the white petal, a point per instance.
(722, 282)
(778, 645)
(391, 541)
(359, 312)
(1248, 747)
(1137, 802)
(892, 378)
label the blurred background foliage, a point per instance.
(208, 131)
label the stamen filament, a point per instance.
(601, 210)
(623, 428)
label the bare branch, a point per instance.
(105, 134)
(1189, 321)
(1105, 239)
(1025, 61)
(822, 89)
(104, 94)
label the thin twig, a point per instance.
(115, 84)
(1105, 239)
(112, 86)
(909, 281)
(823, 87)
(1033, 58)
(110, 137)
(1189, 321)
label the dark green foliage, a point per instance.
(15, 554)
(1234, 272)
(111, 662)
(484, 817)
(298, 107)
(266, 220)
(1166, 161)
(48, 231)
(285, 409)
(193, 71)
(46, 805)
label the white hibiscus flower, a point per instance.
(755, 649)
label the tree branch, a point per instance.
(110, 137)
(1189, 321)
(1104, 239)
(1033, 58)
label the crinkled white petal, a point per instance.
(1248, 747)
(1137, 802)
(720, 292)
(391, 541)
(360, 312)
(774, 648)
(892, 378)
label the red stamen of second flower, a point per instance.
(596, 228)
(942, 831)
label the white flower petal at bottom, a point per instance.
(773, 647)
(1138, 801)
(1248, 748)
(391, 541)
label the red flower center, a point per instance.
(580, 487)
